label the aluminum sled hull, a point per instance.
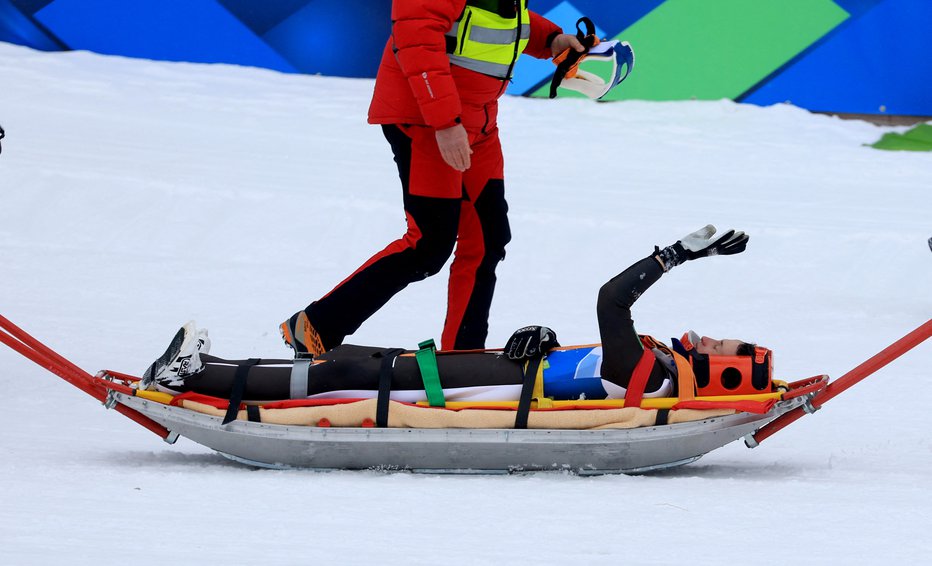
(458, 450)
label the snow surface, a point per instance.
(137, 195)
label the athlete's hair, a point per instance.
(746, 349)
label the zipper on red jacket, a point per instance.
(514, 58)
(465, 31)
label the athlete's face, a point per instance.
(713, 347)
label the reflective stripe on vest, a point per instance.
(482, 40)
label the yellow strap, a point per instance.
(157, 396)
(646, 403)
(538, 392)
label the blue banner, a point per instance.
(876, 61)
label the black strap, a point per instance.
(760, 374)
(587, 38)
(239, 387)
(527, 391)
(663, 417)
(252, 413)
(385, 386)
(701, 369)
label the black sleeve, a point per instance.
(621, 347)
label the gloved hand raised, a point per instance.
(702, 243)
(530, 341)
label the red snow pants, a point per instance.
(445, 210)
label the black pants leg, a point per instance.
(420, 253)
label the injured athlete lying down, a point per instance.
(578, 372)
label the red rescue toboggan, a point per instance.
(584, 437)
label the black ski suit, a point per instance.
(357, 368)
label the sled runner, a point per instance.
(585, 437)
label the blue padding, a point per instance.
(564, 363)
(570, 374)
(879, 63)
(573, 389)
(200, 31)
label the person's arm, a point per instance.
(547, 39)
(418, 28)
(621, 347)
(418, 38)
(543, 33)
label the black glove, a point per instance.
(701, 244)
(530, 341)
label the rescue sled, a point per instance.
(256, 435)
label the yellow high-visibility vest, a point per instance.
(489, 36)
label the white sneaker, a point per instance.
(181, 359)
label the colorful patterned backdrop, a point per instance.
(851, 56)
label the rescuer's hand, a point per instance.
(701, 243)
(454, 147)
(565, 41)
(530, 341)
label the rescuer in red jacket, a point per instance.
(436, 96)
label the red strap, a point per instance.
(757, 407)
(635, 391)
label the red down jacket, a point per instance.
(418, 85)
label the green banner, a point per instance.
(697, 49)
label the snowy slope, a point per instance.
(137, 195)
